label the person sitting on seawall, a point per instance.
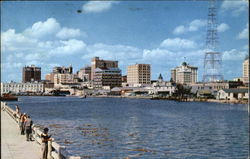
(45, 138)
(28, 130)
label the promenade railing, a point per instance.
(55, 151)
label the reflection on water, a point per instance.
(104, 128)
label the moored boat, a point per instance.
(8, 97)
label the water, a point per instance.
(111, 128)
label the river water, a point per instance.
(115, 128)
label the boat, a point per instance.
(8, 97)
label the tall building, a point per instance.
(139, 74)
(107, 77)
(96, 62)
(31, 74)
(184, 74)
(105, 73)
(58, 70)
(63, 70)
(246, 70)
(85, 73)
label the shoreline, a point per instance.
(188, 100)
(151, 98)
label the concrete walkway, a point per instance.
(14, 145)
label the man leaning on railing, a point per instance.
(45, 138)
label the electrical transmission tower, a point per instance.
(213, 58)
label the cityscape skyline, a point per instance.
(130, 32)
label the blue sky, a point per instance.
(160, 33)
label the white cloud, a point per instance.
(222, 27)
(41, 29)
(190, 27)
(69, 47)
(177, 44)
(112, 52)
(32, 46)
(97, 6)
(179, 29)
(234, 55)
(236, 7)
(66, 33)
(34, 56)
(12, 41)
(196, 24)
(244, 33)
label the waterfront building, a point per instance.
(31, 74)
(233, 94)
(84, 73)
(161, 87)
(139, 74)
(184, 74)
(212, 87)
(96, 62)
(108, 77)
(246, 70)
(16, 88)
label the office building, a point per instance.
(109, 77)
(184, 74)
(31, 74)
(13, 87)
(96, 62)
(84, 74)
(63, 70)
(64, 79)
(138, 74)
(246, 70)
(105, 73)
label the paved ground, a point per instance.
(14, 145)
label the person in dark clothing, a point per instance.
(45, 138)
(27, 126)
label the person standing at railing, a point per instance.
(21, 123)
(17, 111)
(27, 125)
(45, 138)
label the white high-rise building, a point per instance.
(184, 74)
(246, 70)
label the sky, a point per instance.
(160, 33)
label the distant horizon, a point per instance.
(160, 33)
